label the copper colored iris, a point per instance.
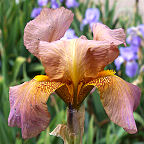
(73, 67)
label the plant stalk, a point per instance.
(75, 123)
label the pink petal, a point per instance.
(49, 26)
(28, 106)
(83, 37)
(119, 99)
(90, 57)
(103, 33)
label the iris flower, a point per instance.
(73, 67)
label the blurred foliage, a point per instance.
(18, 65)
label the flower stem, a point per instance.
(75, 123)
(72, 132)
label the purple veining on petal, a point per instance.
(32, 116)
(14, 117)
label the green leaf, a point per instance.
(108, 134)
(98, 107)
(35, 67)
(90, 136)
(17, 65)
(106, 9)
(138, 118)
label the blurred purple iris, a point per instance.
(134, 40)
(141, 29)
(72, 3)
(35, 12)
(129, 54)
(70, 34)
(134, 35)
(131, 68)
(118, 62)
(42, 2)
(54, 4)
(92, 16)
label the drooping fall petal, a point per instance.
(28, 105)
(103, 33)
(119, 99)
(49, 26)
(76, 59)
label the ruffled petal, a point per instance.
(119, 99)
(76, 59)
(49, 26)
(28, 105)
(103, 33)
(98, 56)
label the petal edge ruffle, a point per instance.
(50, 25)
(103, 33)
(119, 99)
(28, 106)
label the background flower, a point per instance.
(129, 55)
(141, 29)
(70, 34)
(35, 12)
(72, 3)
(42, 2)
(54, 4)
(131, 68)
(92, 16)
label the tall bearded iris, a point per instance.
(73, 67)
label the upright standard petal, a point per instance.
(103, 33)
(119, 99)
(28, 105)
(49, 26)
(76, 59)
